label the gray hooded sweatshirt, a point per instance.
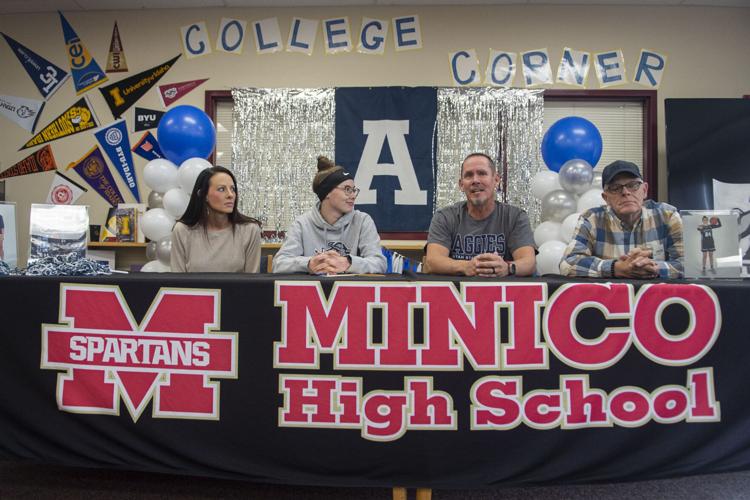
(354, 234)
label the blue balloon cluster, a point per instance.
(571, 138)
(186, 132)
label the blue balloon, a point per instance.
(186, 132)
(571, 138)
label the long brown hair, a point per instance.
(196, 211)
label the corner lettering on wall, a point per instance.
(501, 68)
(650, 69)
(464, 67)
(574, 67)
(536, 67)
(610, 68)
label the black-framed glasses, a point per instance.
(632, 187)
(349, 190)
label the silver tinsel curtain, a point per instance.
(278, 134)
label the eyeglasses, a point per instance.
(349, 190)
(632, 187)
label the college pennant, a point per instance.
(46, 76)
(116, 62)
(175, 91)
(146, 119)
(148, 147)
(94, 171)
(114, 140)
(64, 191)
(41, 160)
(86, 72)
(23, 112)
(77, 118)
(123, 94)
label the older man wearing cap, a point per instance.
(630, 237)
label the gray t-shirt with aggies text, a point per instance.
(504, 231)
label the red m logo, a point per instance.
(170, 357)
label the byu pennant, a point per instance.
(46, 76)
(386, 137)
(64, 191)
(146, 119)
(93, 168)
(21, 111)
(148, 147)
(114, 140)
(86, 72)
(123, 94)
(77, 118)
(116, 62)
(174, 91)
(41, 160)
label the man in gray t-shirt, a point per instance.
(480, 236)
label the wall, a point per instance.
(706, 49)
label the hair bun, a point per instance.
(324, 163)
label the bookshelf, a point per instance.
(130, 253)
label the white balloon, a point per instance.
(550, 255)
(568, 227)
(189, 171)
(160, 175)
(175, 202)
(156, 223)
(544, 182)
(155, 266)
(546, 231)
(590, 199)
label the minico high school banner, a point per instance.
(436, 383)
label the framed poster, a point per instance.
(712, 243)
(8, 240)
(58, 230)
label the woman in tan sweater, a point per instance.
(212, 235)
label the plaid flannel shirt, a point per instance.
(600, 239)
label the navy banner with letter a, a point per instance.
(386, 137)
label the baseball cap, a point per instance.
(619, 167)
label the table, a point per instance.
(377, 381)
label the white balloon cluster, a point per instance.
(565, 196)
(171, 188)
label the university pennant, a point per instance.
(86, 72)
(77, 118)
(123, 94)
(46, 76)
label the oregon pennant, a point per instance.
(77, 118)
(148, 147)
(86, 72)
(116, 62)
(123, 94)
(46, 76)
(41, 160)
(94, 170)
